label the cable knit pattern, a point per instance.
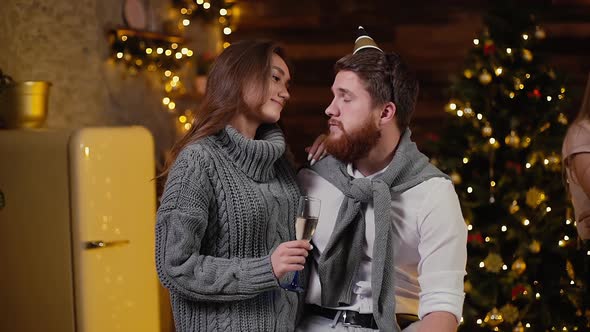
(228, 202)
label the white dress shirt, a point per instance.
(430, 245)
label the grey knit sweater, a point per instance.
(228, 202)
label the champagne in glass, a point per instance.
(305, 227)
(308, 213)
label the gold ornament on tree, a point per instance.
(510, 313)
(485, 77)
(486, 131)
(512, 140)
(494, 318)
(518, 328)
(519, 266)
(493, 263)
(553, 162)
(468, 73)
(569, 267)
(534, 197)
(526, 141)
(455, 177)
(561, 118)
(514, 207)
(539, 33)
(527, 55)
(467, 286)
(535, 247)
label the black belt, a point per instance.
(353, 318)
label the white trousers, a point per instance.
(315, 323)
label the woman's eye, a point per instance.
(276, 78)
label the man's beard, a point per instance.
(354, 145)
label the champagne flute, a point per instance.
(308, 213)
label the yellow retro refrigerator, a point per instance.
(77, 214)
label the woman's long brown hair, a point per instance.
(243, 64)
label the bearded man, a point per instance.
(390, 246)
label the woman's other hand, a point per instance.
(317, 150)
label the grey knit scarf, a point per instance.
(341, 258)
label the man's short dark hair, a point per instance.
(386, 78)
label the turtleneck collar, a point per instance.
(255, 157)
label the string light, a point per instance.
(465, 160)
(526, 222)
(469, 190)
(476, 41)
(469, 227)
(479, 116)
(504, 267)
(509, 50)
(206, 5)
(504, 228)
(525, 36)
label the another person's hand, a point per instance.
(583, 225)
(289, 257)
(317, 150)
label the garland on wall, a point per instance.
(166, 54)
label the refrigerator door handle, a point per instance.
(104, 244)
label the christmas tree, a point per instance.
(503, 152)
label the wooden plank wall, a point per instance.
(432, 36)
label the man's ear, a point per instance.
(388, 112)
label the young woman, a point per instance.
(226, 220)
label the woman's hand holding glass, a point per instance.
(289, 257)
